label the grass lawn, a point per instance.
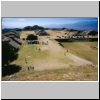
(45, 58)
(30, 53)
(72, 73)
(83, 49)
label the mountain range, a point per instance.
(85, 26)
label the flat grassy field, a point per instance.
(83, 49)
(48, 58)
(52, 63)
(31, 54)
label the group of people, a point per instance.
(45, 43)
(29, 67)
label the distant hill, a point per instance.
(10, 29)
(86, 25)
(35, 27)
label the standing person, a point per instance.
(28, 68)
(39, 49)
(33, 67)
(66, 52)
(47, 42)
(26, 64)
(25, 60)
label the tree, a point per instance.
(32, 37)
(93, 33)
(5, 30)
(8, 53)
(36, 27)
(27, 28)
(63, 28)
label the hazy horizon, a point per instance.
(74, 23)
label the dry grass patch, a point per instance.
(83, 49)
(85, 73)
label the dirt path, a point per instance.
(58, 51)
(44, 65)
(78, 61)
(55, 47)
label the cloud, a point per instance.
(16, 24)
(21, 19)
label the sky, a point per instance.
(22, 22)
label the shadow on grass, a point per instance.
(10, 69)
(61, 45)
